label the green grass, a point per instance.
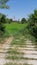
(15, 57)
(19, 41)
(18, 29)
(13, 28)
(14, 51)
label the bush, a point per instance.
(32, 26)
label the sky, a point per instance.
(20, 8)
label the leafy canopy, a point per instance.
(3, 4)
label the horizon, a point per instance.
(19, 9)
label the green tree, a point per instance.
(23, 20)
(33, 23)
(10, 21)
(3, 4)
(2, 18)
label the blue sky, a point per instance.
(20, 8)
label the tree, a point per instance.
(33, 23)
(23, 20)
(3, 4)
(2, 19)
(10, 21)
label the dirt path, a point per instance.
(3, 50)
(30, 54)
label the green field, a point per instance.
(16, 29)
(13, 28)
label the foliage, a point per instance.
(23, 20)
(2, 21)
(33, 23)
(3, 4)
(10, 21)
